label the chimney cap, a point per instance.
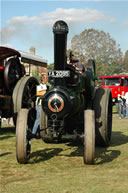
(60, 27)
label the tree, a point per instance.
(36, 74)
(98, 45)
(51, 66)
(126, 61)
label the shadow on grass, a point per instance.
(4, 154)
(5, 137)
(102, 154)
(43, 155)
(6, 132)
(118, 138)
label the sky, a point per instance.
(25, 24)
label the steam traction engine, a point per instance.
(17, 88)
(70, 107)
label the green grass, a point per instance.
(59, 168)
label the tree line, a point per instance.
(99, 45)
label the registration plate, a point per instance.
(59, 73)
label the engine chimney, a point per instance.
(60, 30)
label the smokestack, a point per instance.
(60, 30)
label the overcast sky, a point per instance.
(29, 23)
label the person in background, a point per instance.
(126, 98)
(121, 105)
(41, 89)
(76, 67)
(80, 66)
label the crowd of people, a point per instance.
(123, 105)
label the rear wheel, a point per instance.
(12, 73)
(24, 94)
(103, 116)
(89, 136)
(90, 76)
(25, 121)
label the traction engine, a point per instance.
(71, 108)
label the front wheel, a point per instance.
(25, 121)
(89, 136)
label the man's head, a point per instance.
(44, 78)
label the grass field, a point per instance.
(59, 168)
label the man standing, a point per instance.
(121, 105)
(126, 98)
(41, 89)
(80, 65)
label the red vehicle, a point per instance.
(117, 83)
